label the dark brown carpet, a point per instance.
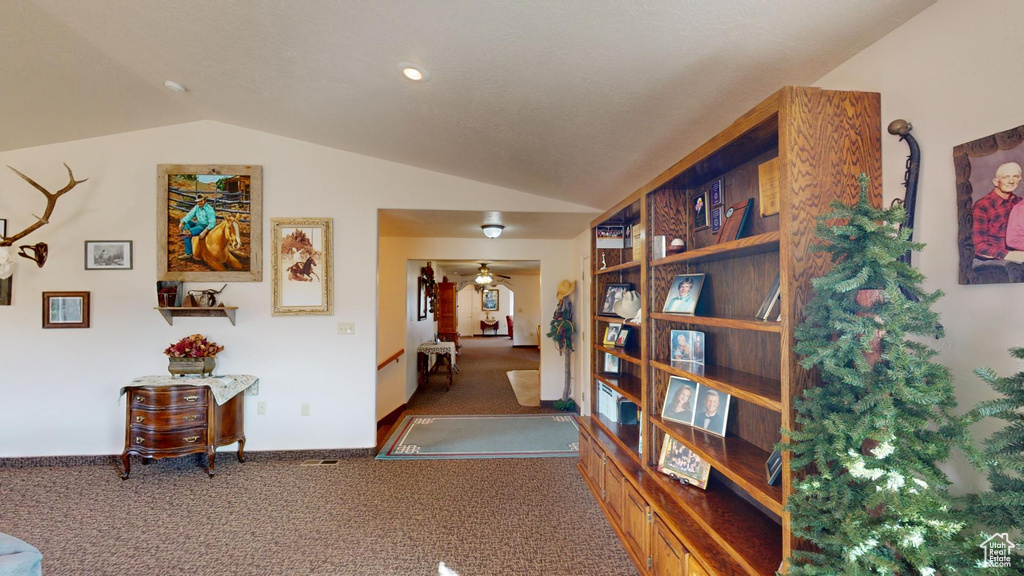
(364, 517)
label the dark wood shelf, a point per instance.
(738, 460)
(627, 459)
(618, 267)
(626, 435)
(616, 320)
(739, 322)
(767, 242)
(617, 352)
(755, 389)
(625, 384)
(193, 311)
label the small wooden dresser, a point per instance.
(171, 421)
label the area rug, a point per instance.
(526, 385)
(421, 437)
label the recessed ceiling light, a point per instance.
(413, 72)
(174, 86)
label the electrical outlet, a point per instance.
(261, 407)
(346, 328)
(305, 408)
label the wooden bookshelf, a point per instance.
(822, 141)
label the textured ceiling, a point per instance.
(583, 101)
(467, 223)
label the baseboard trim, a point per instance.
(391, 417)
(254, 456)
(526, 346)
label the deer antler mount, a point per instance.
(38, 252)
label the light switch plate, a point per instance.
(346, 328)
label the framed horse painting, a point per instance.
(209, 223)
(301, 266)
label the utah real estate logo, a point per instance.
(997, 551)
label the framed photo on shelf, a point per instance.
(687, 346)
(680, 399)
(608, 236)
(489, 299)
(681, 463)
(712, 410)
(715, 193)
(65, 309)
(683, 293)
(620, 341)
(611, 364)
(301, 266)
(107, 254)
(611, 334)
(773, 467)
(699, 211)
(736, 217)
(612, 294)
(209, 223)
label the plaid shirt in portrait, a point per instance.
(990, 216)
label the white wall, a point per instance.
(59, 387)
(527, 314)
(955, 72)
(555, 258)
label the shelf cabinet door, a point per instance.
(596, 462)
(613, 482)
(584, 454)
(634, 521)
(668, 555)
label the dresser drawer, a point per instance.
(186, 417)
(165, 398)
(142, 438)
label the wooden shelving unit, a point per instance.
(169, 313)
(821, 140)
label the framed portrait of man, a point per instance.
(712, 410)
(680, 400)
(683, 294)
(990, 213)
(209, 223)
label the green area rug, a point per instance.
(422, 437)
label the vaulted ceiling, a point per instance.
(583, 101)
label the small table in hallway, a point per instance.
(491, 325)
(444, 350)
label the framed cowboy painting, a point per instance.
(209, 223)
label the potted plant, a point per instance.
(192, 355)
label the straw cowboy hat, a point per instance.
(629, 305)
(565, 287)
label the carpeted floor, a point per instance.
(363, 517)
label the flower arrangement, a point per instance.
(194, 346)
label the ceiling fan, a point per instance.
(485, 276)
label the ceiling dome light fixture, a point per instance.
(492, 230)
(174, 86)
(413, 72)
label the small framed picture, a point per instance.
(687, 346)
(489, 300)
(623, 336)
(611, 334)
(699, 210)
(611, 364)
(683, 293)
(716, 219)
(736, 217)
(65, 309)
(680, 399)
(715, 192)
(608, 236)
(612, 294)
(681, 463)
(773, 467)
(3, 227)
(108, 254)
(712, 410)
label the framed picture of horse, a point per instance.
(301, 266)
(209, 223)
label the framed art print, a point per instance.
(302, 269)
(682, 464)
(209, 223)
(421, 298)
(680, 400)
(489, 299)
(108, 254)
(65, 309)
(699, 211)
(612, 294)
(683, 294)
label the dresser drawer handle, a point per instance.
(191, 418)
(139, 419)
(140, 399)
(191, 398)
(191, 439)
(139, 440)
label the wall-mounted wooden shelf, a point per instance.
(217, 311)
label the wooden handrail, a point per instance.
(392, 358)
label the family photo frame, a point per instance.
(683, 464)
(209, 223)
(686, 346)
(301, 266)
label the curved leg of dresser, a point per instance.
(126, 461)
(241, 449)
(211, 453)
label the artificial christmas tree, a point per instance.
(869, 497)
